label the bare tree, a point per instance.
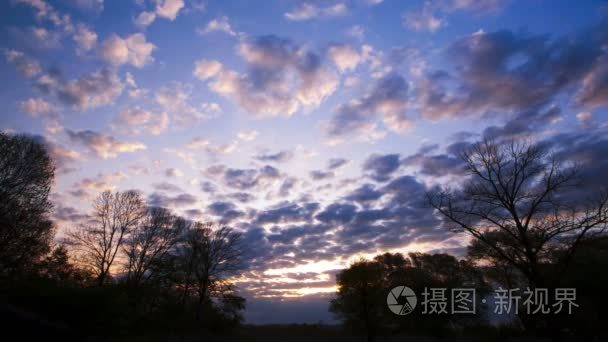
(98, 242)
(209, 257)
(149, 243)
(521, 191)
(26, 176)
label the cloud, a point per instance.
(345, 57)
(281, 77)
(287, 186)
(201, 143)
(134, 90)
(175, 98)
(321, 175)
(356, 31)
(145, 19)
(165, 186)
(85, 39)
(437, 165)
(287, 213)
(507, 72)
(351, 119)
(26, 66)
(198, 143)
(167, 201)
(584, 117)
(432, 16)
(62, 156)
(82, 35)
(487, 6)
(89, 187)
(524, 125)
(208, 187)
(220, 24)
(44, 11)
(242, 197)
(91, 90)
(245, 179)
(248, 135)
(137, 120)
(133, 49)
(278, 157)
(588, 150)
(389, 97)
(594, 88)
(308, 11)
(365, 193)
(381, 167)
(68, 214)
(89, 5)
(423, 20)
(173, 172)
(336, 163)
(103, 146)
(337, 213)
(39, 108)
(186, 156)
(36, 107)
(404, 212)
(169, 9)
(138, 170)
(205, 69)
(227, 211)
(37, 38)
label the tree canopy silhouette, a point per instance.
(361, 300)
(208, 257)
(26, 176)
(150, 243)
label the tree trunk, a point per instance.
(201, 300)
(101, 279)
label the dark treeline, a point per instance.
(130, 269)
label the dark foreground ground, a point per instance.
(30, 327)
(316, 333)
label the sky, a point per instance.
(315, 128)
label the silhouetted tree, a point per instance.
(26, 175)
(361, 297)
(98, 242)
(208, 257)
(363, 289)
(588, 275)
(495, 267)
(149, 243)
(231, 306)
(57, 267)
(520, 190)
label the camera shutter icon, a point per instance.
(401, 300)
